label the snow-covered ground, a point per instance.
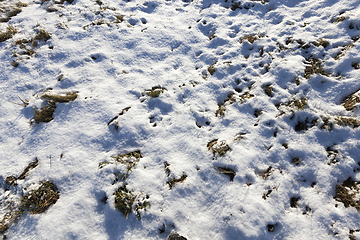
(216, 119)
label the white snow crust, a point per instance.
(171, 44)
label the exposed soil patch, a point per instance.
(39, 200)
(346, 193)
(314, 66)
(302, 126)
(35, 202)
(294, 202)
(10, 31)
(45, 114)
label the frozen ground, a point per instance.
(223, 119)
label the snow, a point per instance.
(171, 44)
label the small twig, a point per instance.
(28, 86)
(25, 102)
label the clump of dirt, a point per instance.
(167, 168)
(211, 70)
(266, 195)
(302, 126)
(294, 202)
(257, 112)
(271, 227)
(356, 65)
(45, 114)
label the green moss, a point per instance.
(124, 200)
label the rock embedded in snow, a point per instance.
(175, 236)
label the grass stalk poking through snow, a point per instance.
(10, 31)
